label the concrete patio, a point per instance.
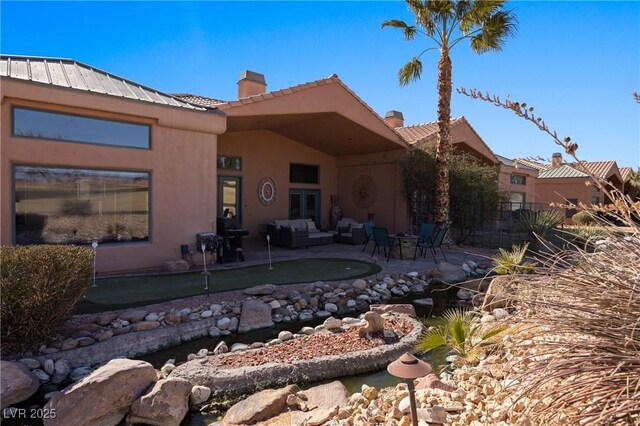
(256, 253)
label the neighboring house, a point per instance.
(87, 155)
(561, 182)
(518, 181)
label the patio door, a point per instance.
(229, 197)
(305, 204)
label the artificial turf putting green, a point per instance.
(132, 291)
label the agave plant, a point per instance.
(459, 331)
(540, 223)
(511, 262)
(586, 235)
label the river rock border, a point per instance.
(231, 382)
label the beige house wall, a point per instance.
(268, 154)
(529, 188)
(181, 162)
(562, 189)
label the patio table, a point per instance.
(408, 241)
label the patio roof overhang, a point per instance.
(328, 132)
(324, 115)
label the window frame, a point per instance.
(111, 120)
(149, 238)
(524, 179)
(218, 157)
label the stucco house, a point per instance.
(561, 182)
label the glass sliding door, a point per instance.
(304, 204)
(230, 197)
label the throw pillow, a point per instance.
(311, 225)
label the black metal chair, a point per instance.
(382, 239)
(425, 241)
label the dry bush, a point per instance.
(41, 286)
(583, 367)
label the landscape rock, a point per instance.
(465, 294)
(332, 323)
(106, 318)
(152, 317)
(260, 290)
(17, 383)
(49, 366)
(450, 273)
(223, 323)
(375, 324)
(434, 415)
(359, 284)
(260, 406)
(135, 315)
(398, 308)
(61, 371)
(105, 335)
(30, 363)
(221, 348)
(328, 395)
(145, 325)
(42, 375)
(113, 388)
(255, 315)
(199, 395)
(79, 373)
(69, 344)
(285, 335)
(331, 307)
(165, 405)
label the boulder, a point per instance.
(327, 396)
(375, 324)
(145, 325)
(30, 363)
(165, 405)
(199, 394)
(498, 295)
(17, 383)
(106, 318)
(260, 406)
(332, 323)
(450, 273)
(396, 308)
(255, 315)
(135, 315)
(104, 396)
(260, 290)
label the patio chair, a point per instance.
(382, 239)
(368, 228)
(437, 242)
(425, 241)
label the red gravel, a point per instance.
(312, 346)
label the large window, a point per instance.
(517, 200)
(78, 206)
(304, 173)
(229, 196)
(35, 123)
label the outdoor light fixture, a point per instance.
(95, 253)
(409, 367)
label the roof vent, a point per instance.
(251, 83)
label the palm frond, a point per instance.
(410, 72)
(494, 30)
(432, 339)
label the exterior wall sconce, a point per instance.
(409, 367)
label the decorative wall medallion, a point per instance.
(267, 191)
(364, 191)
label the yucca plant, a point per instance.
(540, 223)
(511, 262)
(585, 235)
(459, 331)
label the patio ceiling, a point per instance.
(328, 132)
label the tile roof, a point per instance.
(202, 101)
(601, 169)
(513, 163)
(625, 172)
(532, 164)
(421, 133)
(75, 75)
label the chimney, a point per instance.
(394, 119)
(556, 159)
(251, 83)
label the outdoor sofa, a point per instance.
(349, 231)
(295, 233)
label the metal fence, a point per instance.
(500, 227)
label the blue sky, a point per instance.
(576, 62)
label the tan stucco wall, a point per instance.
(182, 163)
(268, 154)
(560, 190)
(390, 206)
(505, 185)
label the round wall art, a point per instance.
(267, 191)
(364, 191)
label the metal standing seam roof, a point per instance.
(561, 171)
(71, 74)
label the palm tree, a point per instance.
(447, 22)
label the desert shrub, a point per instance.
(473, 189)
(583, 218)
(460, 332)
(511, 262)
(40, 287)
(540, 223)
